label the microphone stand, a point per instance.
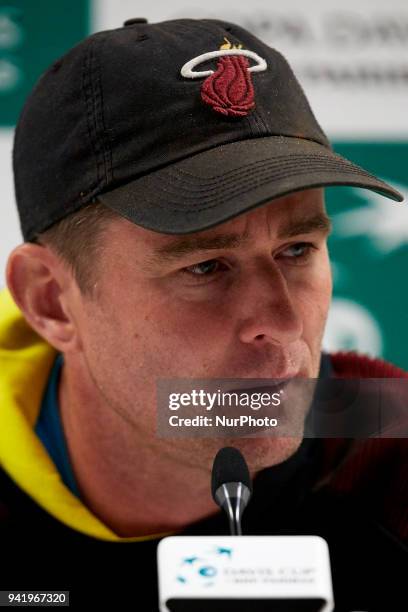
(233, 498)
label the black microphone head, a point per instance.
(229, 466)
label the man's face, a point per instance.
(246, 299)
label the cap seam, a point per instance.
(86, 86)
(225, 191)
(239, 190)
(106, 150)
(288, 191)
(281, 160)
(263, 127)
(260, 174)
(94, 100)
(216, 146)
(253, 123)
(302, 168)
(95, 119)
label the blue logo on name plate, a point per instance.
(203, 570)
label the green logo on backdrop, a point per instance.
(369, 249)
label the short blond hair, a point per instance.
(77, 240)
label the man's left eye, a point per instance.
(300, 250)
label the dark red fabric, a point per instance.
(374, 471)
(229, 89)
(348, 364)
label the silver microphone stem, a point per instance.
(233, 497)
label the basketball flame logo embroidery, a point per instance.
(229, 90)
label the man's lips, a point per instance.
(260, 411)
(269, 386)
(246, 382)
(262, 387)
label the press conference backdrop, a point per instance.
(352, 60)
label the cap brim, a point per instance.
(216, 185)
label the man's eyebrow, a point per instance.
(190, 244)
(320, 222)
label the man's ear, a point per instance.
(40, 285)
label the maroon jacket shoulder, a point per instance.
(373, 471)
(350, 364)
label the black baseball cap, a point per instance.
(177, 126)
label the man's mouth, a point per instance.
(261, 416)
(269, 388)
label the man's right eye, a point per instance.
(203, 269)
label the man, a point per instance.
(169, 180)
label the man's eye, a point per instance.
(300, 251)
(204, 268)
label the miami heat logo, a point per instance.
(229, 89)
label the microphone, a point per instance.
(258, 573)
(231, 485)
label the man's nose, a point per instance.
(267, 310)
